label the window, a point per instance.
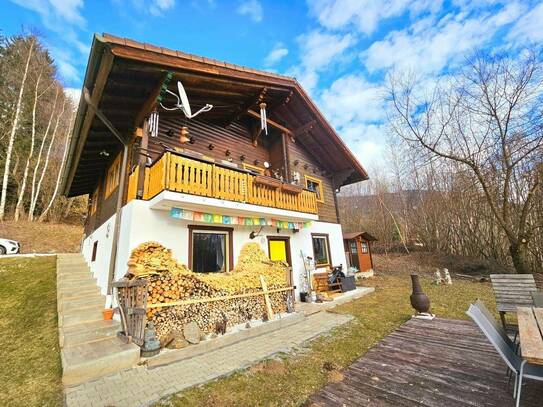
(113, 175)
(315, 185)
(94, 250)
(364, 246)
(210, 249)
(321, 250)
(94, 201)
(254, 168)
(352, 245)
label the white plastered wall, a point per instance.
(141, 224)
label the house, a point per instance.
(206, 185)
(358, 250)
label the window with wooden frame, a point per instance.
(315, 185)
(321, 249)
(210, 249)
(113, 175)
(94, 201)
(254, 168)
(364, 247)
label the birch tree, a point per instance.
(47, 157)
(61, 169)
(14, 128)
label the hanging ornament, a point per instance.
(153, 124)
(263, 119)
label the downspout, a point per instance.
(120, 194)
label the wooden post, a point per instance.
(142, 159)
(269, 311)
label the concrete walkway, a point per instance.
(142, 386)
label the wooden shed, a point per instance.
(358, 250)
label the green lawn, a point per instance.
(30, 369)
(291, 381)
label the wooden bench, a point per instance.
(322, 285)
(512, 291)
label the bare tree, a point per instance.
(487, 119)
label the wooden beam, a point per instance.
(150, 103)
(99, 84)
(255, 133)
(304, 128)
(270, 122)
(246, 106)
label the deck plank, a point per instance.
(437, 363)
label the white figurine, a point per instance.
(437, 277)
(448, 279)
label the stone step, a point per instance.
(82, 303)
(75, 277)
(71, 293)
(82, 316)
(89, 361)
(88, 333)
(71, 268)
(75, 284)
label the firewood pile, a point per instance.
(170, 281)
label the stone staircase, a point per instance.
(89, 346)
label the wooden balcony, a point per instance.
(177, 173)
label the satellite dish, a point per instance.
(183, 103)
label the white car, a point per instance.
(9, 246)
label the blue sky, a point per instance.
(340, 50)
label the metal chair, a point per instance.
(490, 318)
(520, 367)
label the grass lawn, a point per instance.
(290, 381)
(30, 369)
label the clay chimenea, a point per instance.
(419, 300)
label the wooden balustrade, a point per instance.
(180, 174)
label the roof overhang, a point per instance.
(123, 75)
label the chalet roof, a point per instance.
(354, 235)
(123, 75)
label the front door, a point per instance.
(279, 249)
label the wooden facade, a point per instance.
(124, 79)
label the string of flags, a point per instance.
(185, 214)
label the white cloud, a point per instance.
(74, 94)
(252, 9)
(319, 51)
(67, 70)
(54, 11)
(529, 27)
(365, 15)
(278, 52)
(429, 48)
(158, 7)
(351, 99)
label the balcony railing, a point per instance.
(173, 172)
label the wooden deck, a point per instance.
(428, 363)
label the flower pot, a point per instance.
(108, 314)
(419, 300)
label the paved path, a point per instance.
(142, 386)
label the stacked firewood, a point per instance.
(169, 281)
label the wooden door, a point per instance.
(279, 249)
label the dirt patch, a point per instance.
(36, 237)
(426, 263)
(334, 376)
(269, 366)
